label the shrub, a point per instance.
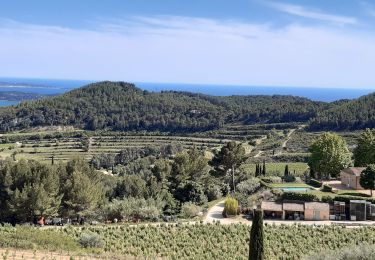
(272, 179)
(315, 183)
(214, 192)
(190, 210)
(248, 186)
(299, 196)
(91, 240)
(327, 188)
(289, 178)
(230, 207)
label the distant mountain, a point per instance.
(347, 115)
(123, 106)
(19, 96)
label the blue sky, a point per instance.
(322, 43)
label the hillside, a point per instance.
(19, 96)
(123, 106)
(350, 115)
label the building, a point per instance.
(316, 211)
(295, 210)
(272, 210)
(350, 177)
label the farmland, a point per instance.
(182, 241)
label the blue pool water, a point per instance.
(296, 189)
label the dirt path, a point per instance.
(214, 214)
(258, 154)
(20, 254)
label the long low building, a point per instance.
(296, 210)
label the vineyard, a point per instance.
(198, 241)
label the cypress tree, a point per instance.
(264, 168)
(286, 171)
(256, 247)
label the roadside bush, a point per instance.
(190, 210)
(230, 207)
(299, 196)
(91, 240)
(315, 183)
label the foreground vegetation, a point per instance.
(187, 241)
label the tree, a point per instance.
(225, 162)
(364, 153)
(264, 168)
(256, 247)
(329, 155)
(82, 193)
(367, 179)
(286, 171)
(187, 178)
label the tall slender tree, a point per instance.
(256, 247)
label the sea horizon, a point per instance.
(59, 86)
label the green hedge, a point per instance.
(327, 188)
(346, 198)
(315, 183)
(299, 196)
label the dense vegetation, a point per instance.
(122, 106)
(190, 241)
(354, 114)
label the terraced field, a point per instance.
(69, 147)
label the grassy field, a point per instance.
(290, 184)
(277, 169)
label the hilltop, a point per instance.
(123, 106)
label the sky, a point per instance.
(321, 43)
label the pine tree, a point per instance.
(256, 247)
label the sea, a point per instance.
(58, 86)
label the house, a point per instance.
(350, 177)
(316, 211)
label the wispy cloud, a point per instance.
(191, 50)
(315, 14)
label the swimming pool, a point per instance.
(296, 189)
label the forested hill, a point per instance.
(349, 115)
(122, 106)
